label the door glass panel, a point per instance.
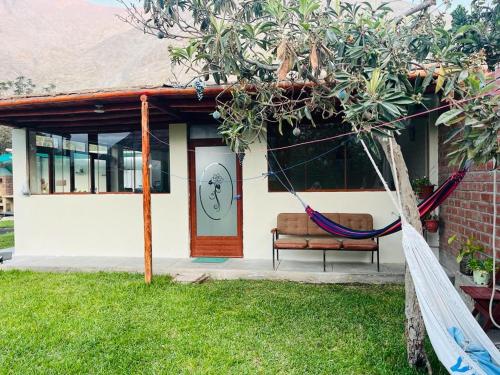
(216, 208)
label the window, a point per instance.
(339, 164)
(96, 162)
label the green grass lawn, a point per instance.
(113, 323)
(6, 240)
(6, 223)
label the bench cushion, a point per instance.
(290, 243)
(324, 243)
(293, 224)
(359, 244)
(356, 221)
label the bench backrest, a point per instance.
(298, 224)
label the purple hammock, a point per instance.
(426, 206)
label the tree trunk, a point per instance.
(415, 328)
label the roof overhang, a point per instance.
(108, 109)
(80, 111)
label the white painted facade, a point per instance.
(111, 224)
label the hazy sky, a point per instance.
(454, 2)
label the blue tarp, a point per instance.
(477, 353)
(6, 158)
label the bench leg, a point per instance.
(372, 257)
(277, 255)
(274, 263)
(324, 260)
(378, 260)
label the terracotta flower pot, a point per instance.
(425, 191)
(431, 225)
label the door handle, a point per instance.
(237, 197)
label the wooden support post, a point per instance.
(146, 190)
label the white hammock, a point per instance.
(456, 336)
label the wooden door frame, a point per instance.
(232, 243)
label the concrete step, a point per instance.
(6, 254)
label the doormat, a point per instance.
(209, 260)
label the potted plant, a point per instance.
(481, 270)
(422, 187)
(431, 223)
(466, 253)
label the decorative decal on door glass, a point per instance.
(215, 191)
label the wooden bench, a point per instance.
(295, 231)
(481, 296)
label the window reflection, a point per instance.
(340, 164)
(96, 162)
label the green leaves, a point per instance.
(307, 7)
(447, 117)
(333, 57)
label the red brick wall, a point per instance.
(469, 210)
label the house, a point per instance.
(78, 180)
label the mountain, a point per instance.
(77, 45)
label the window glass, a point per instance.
(41, 178)
(77, 145)
(160, 169)
(338, 164)
(96, 162)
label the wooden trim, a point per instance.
(100, 193)
(188, 92)
(225, 246)
(269, 190)
(146, 190)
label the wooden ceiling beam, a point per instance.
(97, 124)
(70, 111)
(95, 117)
(186, 105)
(162, 106)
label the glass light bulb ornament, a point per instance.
(296, 131)
(216, 115)
(200, 88)
(161, 35)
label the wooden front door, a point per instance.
(215, 200)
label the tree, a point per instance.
(483, 32)
(287, 62)
(19, 86)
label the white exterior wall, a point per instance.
(261, 207)
(101, 224)
(111, 224)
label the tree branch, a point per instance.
(426, 4)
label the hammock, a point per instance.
(458, 340)
(426, 206)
